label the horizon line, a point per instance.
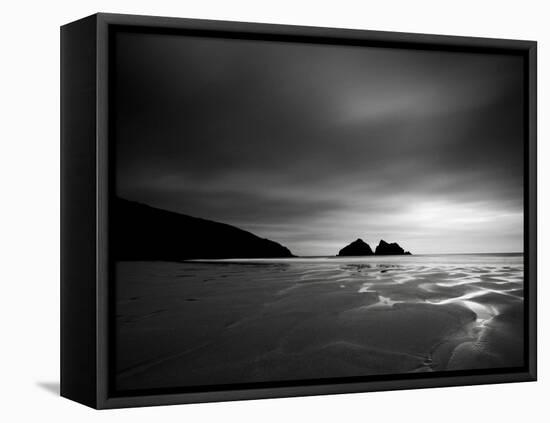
(412, 254)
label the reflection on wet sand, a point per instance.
(186, 324)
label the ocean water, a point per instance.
(416, 259)
(201, 323)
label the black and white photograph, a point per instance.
(290, 212)
(277, 211)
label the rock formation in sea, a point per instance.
(141, 232)
(356, 248)
(385, 248)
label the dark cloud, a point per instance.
(312, 145)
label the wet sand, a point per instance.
(191, 324)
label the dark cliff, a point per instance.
(356, 248)
(385, 248)
(140, 232)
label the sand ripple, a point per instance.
(214, 323)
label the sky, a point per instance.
(314, 146)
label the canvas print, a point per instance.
(285, 212)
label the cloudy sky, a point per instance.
(315, 145)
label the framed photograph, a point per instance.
(254, 211)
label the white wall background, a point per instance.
(29, 231)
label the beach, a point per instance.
(192, 324)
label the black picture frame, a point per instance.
(86, 337)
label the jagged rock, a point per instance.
(356, 248)
(140, 232)
(385, 248)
